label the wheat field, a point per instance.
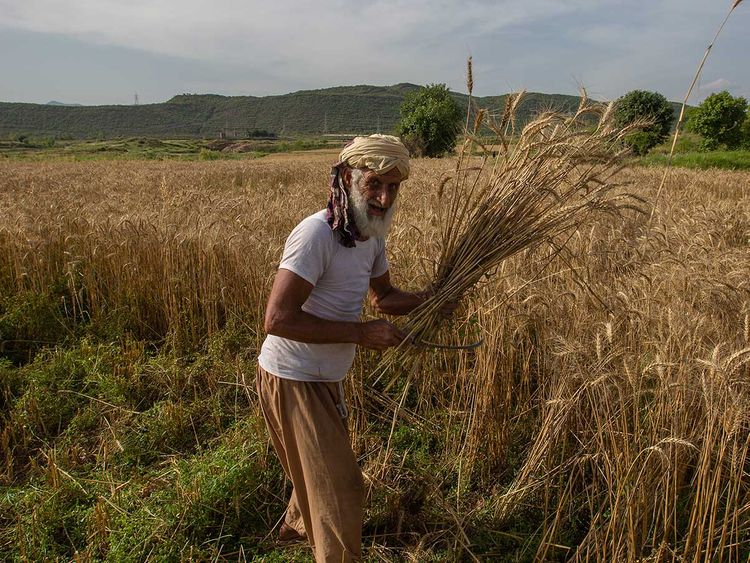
(605, 417)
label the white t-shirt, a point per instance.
(340, 277)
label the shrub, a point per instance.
(641, 142)
(746, 133)
(719, 120)
(651, 107)
(430, 120)
(207, 154)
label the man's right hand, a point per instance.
(380, 335)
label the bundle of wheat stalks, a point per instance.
(532, 188)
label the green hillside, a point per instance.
(345, 109)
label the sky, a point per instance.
(96, 52)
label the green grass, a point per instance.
(686, 142)
(44, 149)
(688, 154)
(726, 160)
(116, 149)
(114, 449)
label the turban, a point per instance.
(379, 153)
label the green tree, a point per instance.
(644, 106)
(430, 119)
(719, 120)
(746, 133)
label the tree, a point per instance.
(430, 120)
(719, 120)
(746, 133)
(644, 106)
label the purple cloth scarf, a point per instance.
(339, 218)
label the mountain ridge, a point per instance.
(356, 109)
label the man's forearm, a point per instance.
(398, 302)
(377, 334)
(304, 327)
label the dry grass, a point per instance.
(610, 399)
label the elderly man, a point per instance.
(313, 323)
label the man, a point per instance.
(330, 261)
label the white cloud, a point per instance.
(329, 37)
(714, 85)
(281, 45)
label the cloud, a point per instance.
(610, 46)
(714, 85)
(334, 39)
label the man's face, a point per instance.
(373, 199)
(379, 190)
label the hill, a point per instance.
(343, 109)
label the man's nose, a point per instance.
(384, 197)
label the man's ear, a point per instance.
(346, 176)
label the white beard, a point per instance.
(368, 226)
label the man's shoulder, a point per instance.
(318, 218)
(314, 226)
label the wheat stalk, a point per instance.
(554, 175)
(681, 118)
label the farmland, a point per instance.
(142, 148)
(605, 417)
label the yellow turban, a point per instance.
(379, 153)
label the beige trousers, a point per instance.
(311, 439)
